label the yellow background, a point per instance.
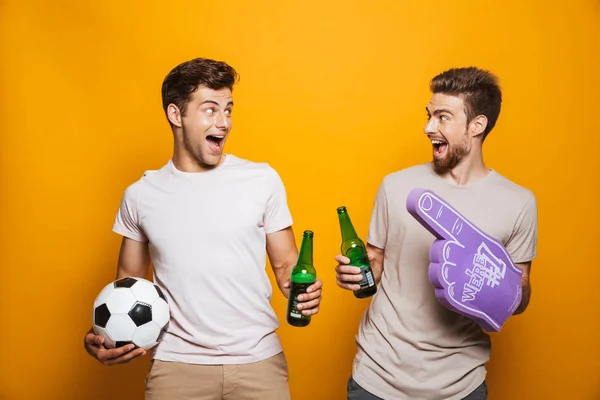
(332, 94)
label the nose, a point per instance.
(431, 126)
(222, 121)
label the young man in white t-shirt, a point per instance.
(409, 346)
(207, 220)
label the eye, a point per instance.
(210, 111)
(443, 118)
(228, 112)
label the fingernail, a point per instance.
(299, 306)
(300, 298)
(309, 290)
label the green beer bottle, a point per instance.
(303, 275)
(354, 249)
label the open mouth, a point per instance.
(439, 147)
(215, 143)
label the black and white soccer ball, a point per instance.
(130, 310)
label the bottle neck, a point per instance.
(346, 226)
(306, 251)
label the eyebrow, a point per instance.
(439, 111)
(215, 103)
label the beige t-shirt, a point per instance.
(409, 345)
(207, 237)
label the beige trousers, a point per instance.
(264, 380)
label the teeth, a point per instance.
(436, 142)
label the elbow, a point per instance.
(525, 297)
(521, 309)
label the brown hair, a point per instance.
(479, 90)
(187, 77)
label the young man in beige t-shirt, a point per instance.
(409, 346)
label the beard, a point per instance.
(454, 155)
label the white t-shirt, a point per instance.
(207, 240)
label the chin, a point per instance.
(443, 164)
(446, 163)
(209, 161)
(438, 167)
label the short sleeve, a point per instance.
(379, 220)
(521, 246)
(277, 215)
(127, 222)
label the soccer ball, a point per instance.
(130, 310)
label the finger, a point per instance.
(307, 305)
(309, 296)
(131, 355)
(446, 252)
(117, 352)
(315, 286)
(93, 342)
(312, 311)
(286, 285)
(342, 259)
(348, 269)
(91, 338)
(350, 278)
(437, 216)
(348, 286)
(99, 340)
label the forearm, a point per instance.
(123, 271)
(283, 255)
(377, 269)
(376, 261)
(282, 274)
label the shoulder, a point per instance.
(148, 179)
(407, 175)
(511, 190)
(255, 168)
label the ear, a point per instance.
(174, 115)
(477, 125)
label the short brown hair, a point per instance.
(479, 90)
(187, 77)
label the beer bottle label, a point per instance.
(296, 290)
(358, 258)
(367, 280)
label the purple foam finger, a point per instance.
(436, 262)
(471, 272)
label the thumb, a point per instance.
(286, 284)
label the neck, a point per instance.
(470, 169)
(184, 162)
